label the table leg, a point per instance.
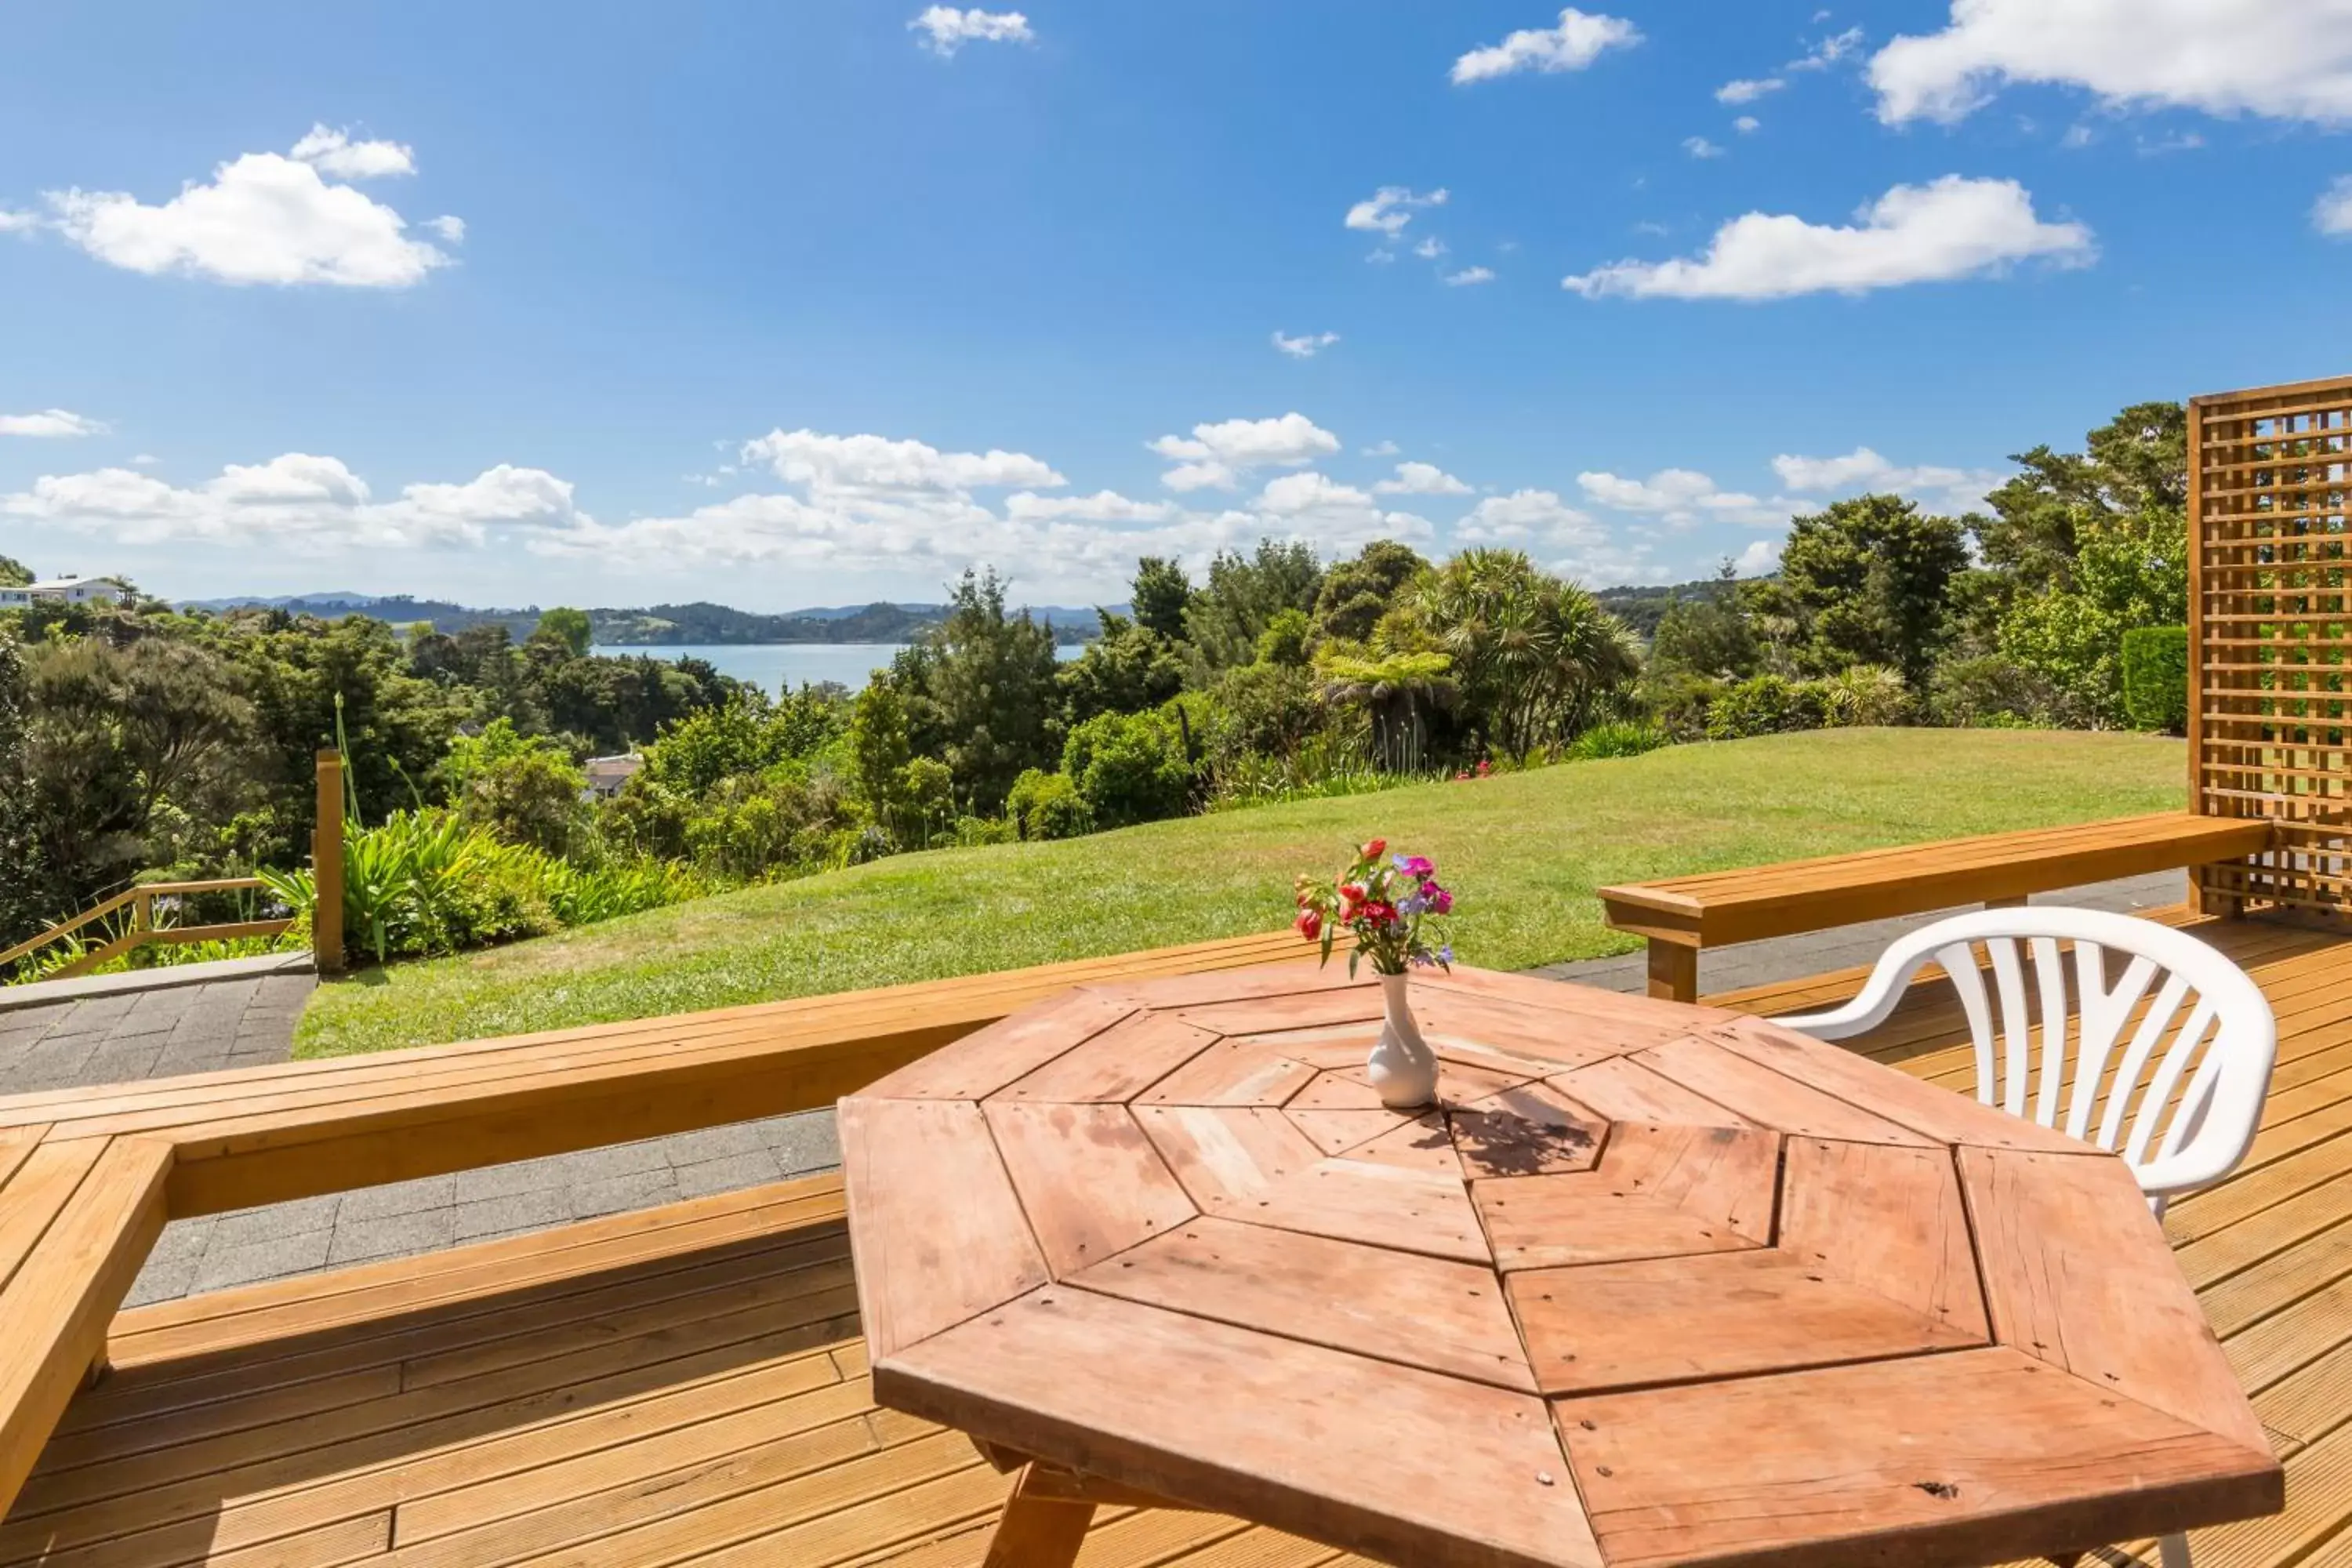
(1038, 1530)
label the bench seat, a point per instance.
(89, 1176)
(1681, 915)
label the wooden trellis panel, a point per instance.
(2270, 622)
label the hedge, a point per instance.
(2156, 677)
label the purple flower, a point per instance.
(1419, 867)
(1436, 898)
(1412, 904)
(1445, 954)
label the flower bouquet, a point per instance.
(1391, 905)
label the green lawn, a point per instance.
(1522, 852)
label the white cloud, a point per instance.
(1946, 488)
(1102, 506)
(1747, 89)
(1760, 559)
(16, 222)
(311, 505)
(1579, 41)
(264, 218)
(452, 229)
(946, 29)
(335, 153)
(1382, 449)
(1831, 50)
(1430, 249)
(874, 464)
(1388, 209)
(2225, 57)
(1953, 227)
(1305, 346)
(1468, 276)
(1215, 455)
(143, 459)
(1700, 147)
(1680, 497)
(51, 422)
(1527, 518)
(2332, 214)
(1747, 124)
(1421, 479)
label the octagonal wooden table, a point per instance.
(1652, 1284)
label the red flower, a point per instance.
(1375, 849)
(1310, 923)
(1380, 912)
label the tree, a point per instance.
(1244, 593)
(569, 628)
(524, 788)
(1706, 634)
(1358, 592)
(879, 747)
(986, 681)
(111, 737)
(1127, 669)
(1397, 691)
(1160, 595)
(13, 574)
(22, 890)
(1535, 655)
(1866, 580)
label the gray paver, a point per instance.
(515, 1210)
(725, 1175)
(395, 1236)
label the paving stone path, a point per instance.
(250, 1020)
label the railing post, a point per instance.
(327, 867)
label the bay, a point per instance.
(783, 666)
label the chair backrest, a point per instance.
(2175, 1086)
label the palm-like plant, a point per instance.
(1397, 691)
(1535, 654)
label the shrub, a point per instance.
(2156, 677)
(1129, 767)
(1865, 694)
(1677, 701)
(1766, 705)
(524, 788)
(1046, 806)
(1992, 692)
(1624, 739)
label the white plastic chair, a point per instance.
(2222, 1036)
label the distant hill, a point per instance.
(661, 625)
(1643, 607)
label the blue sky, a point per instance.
(782, 305)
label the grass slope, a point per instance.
(1523, 853)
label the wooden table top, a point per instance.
(1655, 1284)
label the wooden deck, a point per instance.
(687, 1384)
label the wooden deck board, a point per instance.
(688, 1384)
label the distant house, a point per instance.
(73, 591)
(607, 774)
(15, 598)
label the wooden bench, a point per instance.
(89, 1176)
(1682, 915)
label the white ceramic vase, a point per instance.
(1402, 1067)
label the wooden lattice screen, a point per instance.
(2270, 622)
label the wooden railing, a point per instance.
(143, 929)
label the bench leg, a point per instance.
(1038, 1530)
(1673, 971)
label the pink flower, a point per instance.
(1419, 867)
(1310, 923)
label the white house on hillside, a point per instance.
(78, 590)
(64, 591)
